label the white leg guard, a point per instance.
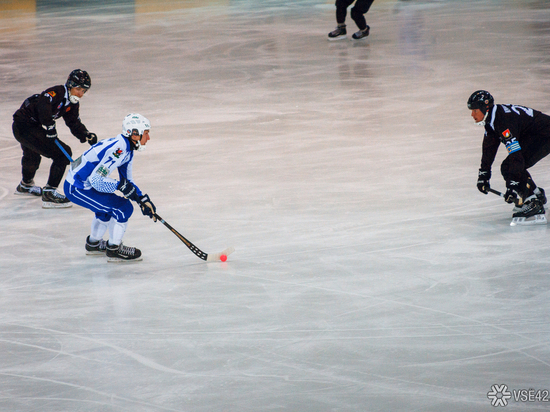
(116, 231)
(99, 228)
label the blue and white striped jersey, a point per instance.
(92, 169)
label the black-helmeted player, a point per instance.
(526, 134)
(34, 128)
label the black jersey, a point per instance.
(45, 108)
(521, 129)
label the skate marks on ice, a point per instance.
(87, 344)
(377, 280)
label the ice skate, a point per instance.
(361, 34)
(98, 248)
(518, 205)
(28, 189)
(121, 253)
(339, 33)
(532, 213)
(52, 199)
(541, 195)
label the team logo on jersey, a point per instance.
(117, 153)
(67, 109)
(506, 134)
(102, 171)
(60, 106)
(51, 93)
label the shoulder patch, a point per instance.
(51, 93)
(102, 171)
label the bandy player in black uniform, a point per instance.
(34, 128)
(358, 12)
(526, 134)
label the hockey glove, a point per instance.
(51, 132)
(483, 178)
(128, 189)
(91, 138)
(512, 192)
(147, 207)
(483, 186)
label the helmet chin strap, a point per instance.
(139, 146)
(482, 122)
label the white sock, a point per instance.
(116, 231)
(99, 228)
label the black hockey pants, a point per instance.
(35, 144)
(532, 154)
(357, 13)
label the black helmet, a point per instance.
(78, 78)
(481, 100)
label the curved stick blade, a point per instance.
(213, 257)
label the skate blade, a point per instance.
(51, 205)
(27, 194)
(94, 253)
(529, 221)
(119, 260)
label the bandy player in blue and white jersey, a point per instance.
(88, 184)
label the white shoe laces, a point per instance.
(55, 193)
(127, 250)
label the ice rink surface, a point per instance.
(369, 273)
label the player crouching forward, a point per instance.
(526, 134)
(88, 185)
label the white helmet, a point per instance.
(136, 122)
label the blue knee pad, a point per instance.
(126, 208)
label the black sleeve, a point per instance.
(72, 120)
(489, 151)
(44, 104)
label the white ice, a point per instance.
(369, 274)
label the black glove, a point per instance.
(51, 132)
(147, 207)
(91, 138)
(128, 189)
(512, 192)
(483, 178)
